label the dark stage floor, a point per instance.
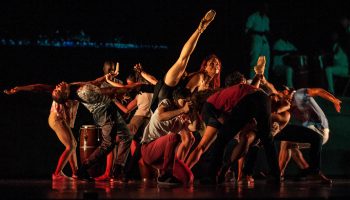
(47, 189)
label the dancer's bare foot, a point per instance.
(209, 16)
(245, 180)
(260, 65)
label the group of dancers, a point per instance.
(182, 115)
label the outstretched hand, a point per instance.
(108, 76)
(138, 68)
(63, 83)
(337, 105)
(11, 91)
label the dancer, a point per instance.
(174, 78)
(161, 138)
(61, 120)
(99, 102)
(229, 110)
(314, 129)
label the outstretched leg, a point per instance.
(175, 73)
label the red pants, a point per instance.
(160, 154)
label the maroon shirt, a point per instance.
(227, 98)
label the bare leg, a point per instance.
(248, 178)
(187, 140)
(175, 73)
(246, 139)
(73, 162)
(109, 164)
(65, 135)
(284, 156)
(240, 168)
(299, 158)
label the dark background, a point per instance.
(30, 149)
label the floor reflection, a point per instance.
(47, 189)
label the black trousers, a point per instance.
(256, 105)
(295, 133)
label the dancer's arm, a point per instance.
(151, 79)
(112, 91)
(207, 139)
(165, 114)
(108, 78)
(97, 81)
(194, 125)
(326, 95)
(126, 109)
(281, 118)
(30, 88)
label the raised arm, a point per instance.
(151, 79)
(326, 95)
(126, 109)
(30, 88)
(108, 78)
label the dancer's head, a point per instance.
(131, 79)
(61, 93)
(234, 78)
(108, 67)
(211, 65)
(181, 96)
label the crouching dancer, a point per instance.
(162, 136)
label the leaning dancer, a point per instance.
(61, 120)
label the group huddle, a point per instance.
(183, 117)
